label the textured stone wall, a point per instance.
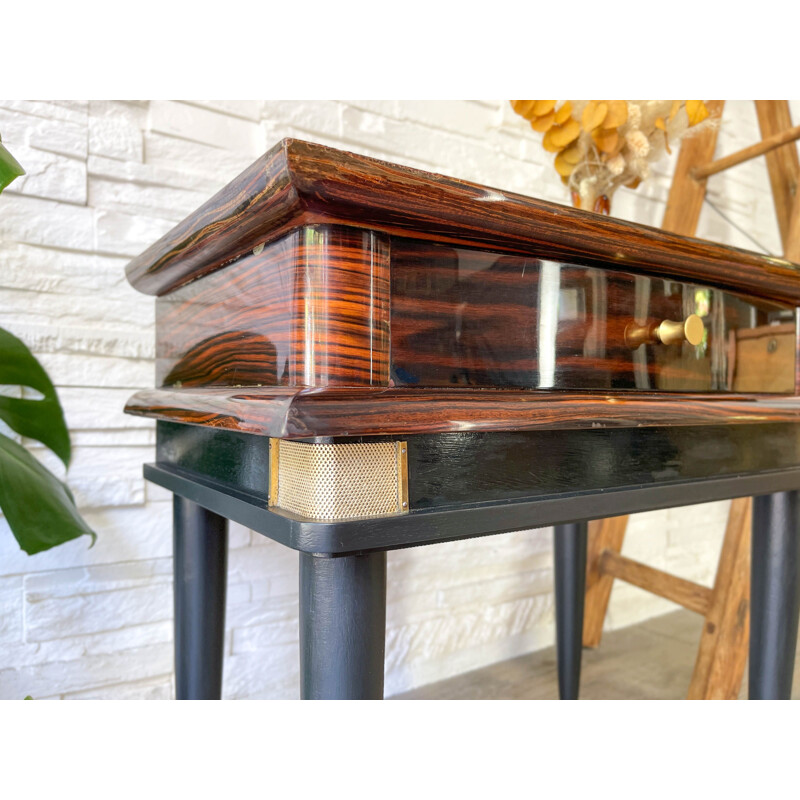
(105, 179)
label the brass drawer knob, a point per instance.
(667, 332)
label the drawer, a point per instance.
(762, 359)
(475, 318)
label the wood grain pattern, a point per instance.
(688, 594)
(748, 153)
(311, 309)
(299, 183)
(792, 241)
(722, 654)
(783, 165)
(258, 206)
(604, 535)
(475, 318)
(287, 413)
(686, 194)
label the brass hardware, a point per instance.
(274, 465)
(667, 332)
(333, 482)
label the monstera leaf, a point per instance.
(40, 509)
(9, 167)
(42, 419)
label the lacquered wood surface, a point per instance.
(256, 207)
(299, 183)
(470, 317)
(311, 309)
(289, 413)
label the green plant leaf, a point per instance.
(10, 168)
(41, 419)
(40, 509)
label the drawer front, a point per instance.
(476, 318)
(762, 359)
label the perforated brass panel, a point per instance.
(338, 481)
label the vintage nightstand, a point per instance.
(354, 357)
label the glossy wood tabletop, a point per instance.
(324, 294)
(298, 183)
(294, 413)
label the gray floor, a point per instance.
(650, 661)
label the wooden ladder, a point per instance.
(722, 655)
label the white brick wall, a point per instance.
(105, 179)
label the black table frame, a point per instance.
(343, 567)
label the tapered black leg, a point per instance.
(569, 544)
(342, 627)
(774, 594)
(200, 553)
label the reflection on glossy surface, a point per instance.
(550, 303)
(474, 318)
(311, 309)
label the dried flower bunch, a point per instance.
(603, 144)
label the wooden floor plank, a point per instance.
(649, 661)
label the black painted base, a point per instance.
(569, 556)
(342, 598)
(774, 595)
(200, 553)
(342, 627)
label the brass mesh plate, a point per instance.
(338, 481)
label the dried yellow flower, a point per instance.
(573, 154)
(563, 167)
(606, 141)
(523, 107)
(593, 115)
(638, 144)
(543, 107)
(566, 133)
(616, 165)
(617, 114)
(543, 124)
(547, 141)
(696, 111)
(564, 113)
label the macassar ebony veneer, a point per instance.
(449, 317)
(354, 356)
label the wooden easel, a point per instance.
(722, 655)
